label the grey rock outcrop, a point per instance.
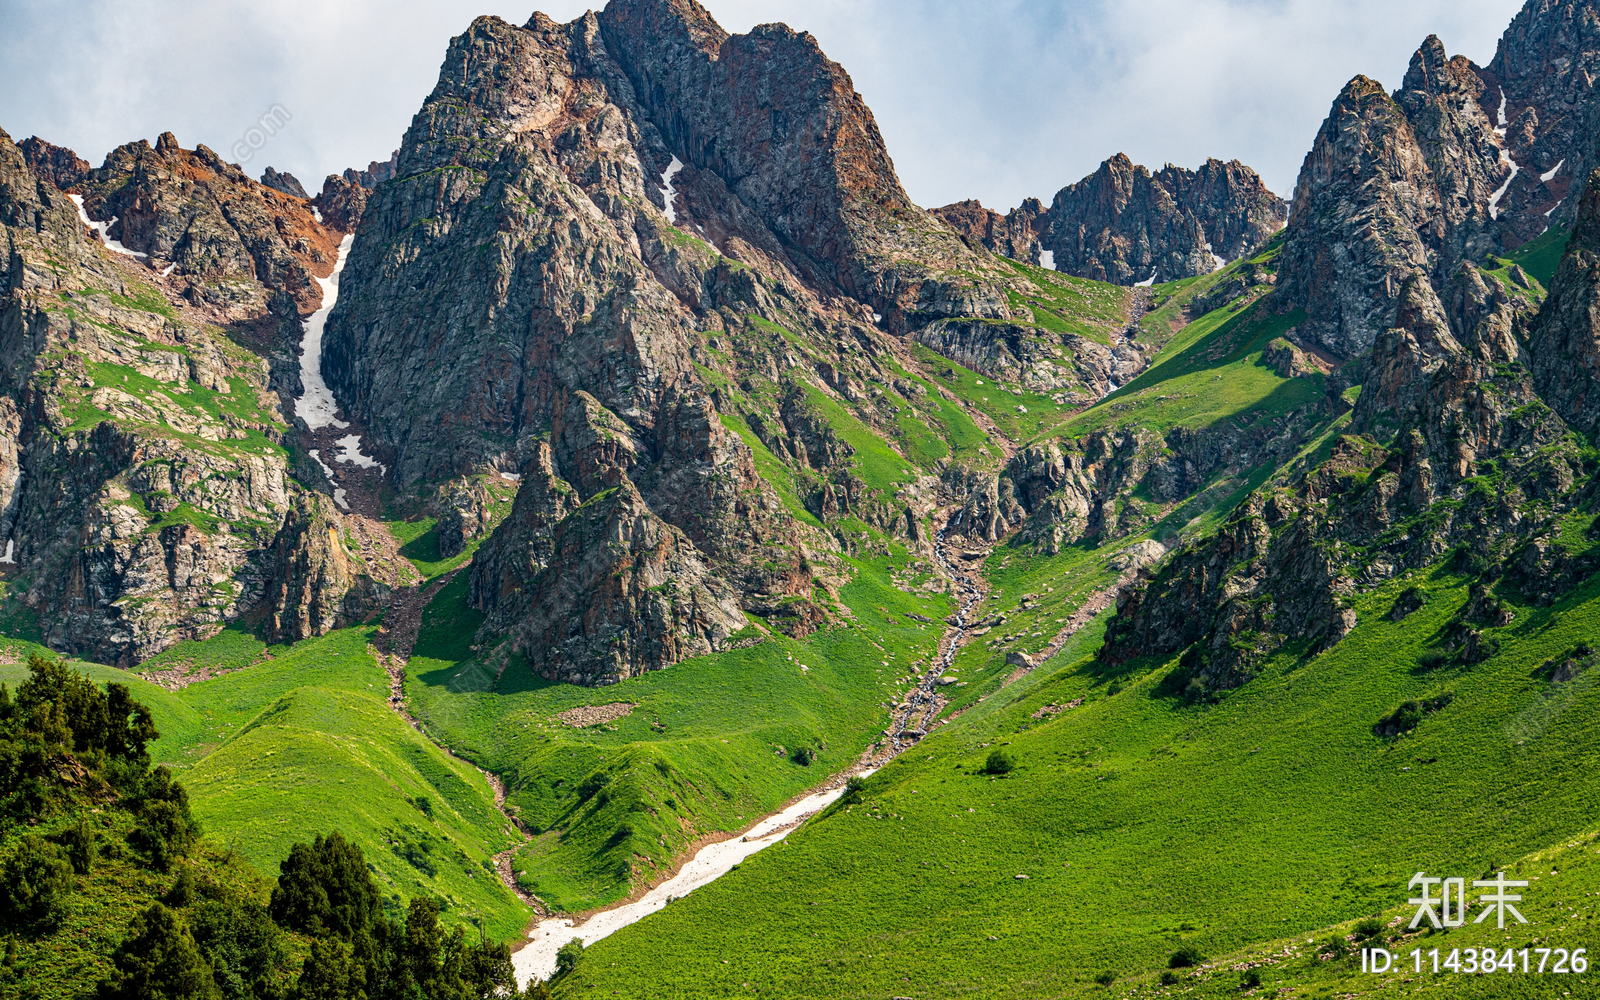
(1124, 224)
(286, 183)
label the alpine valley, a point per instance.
(1123, 595)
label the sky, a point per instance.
(991, 99)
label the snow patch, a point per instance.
(1550, 174)
(167, 273)
(511, 477)
(538, 956)
(1047, 259)
(1146, 283)
(11, 552)
(1502, 112)
(316, 213)
(316, 405)
(1217, 263)
(669, 194)
(1494, 199)
(101, 228)
(350, 453)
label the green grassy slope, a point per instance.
(300, 740)
(305, 742)
(1143, 825)
(710, 746)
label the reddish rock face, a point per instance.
(781, 128)
(56, 165)
(216, 227)
(1544, 67)
(1014, 235)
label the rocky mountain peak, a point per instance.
(1125, 225)
(56, 164)
(226, 240)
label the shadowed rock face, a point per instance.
(1545, 64)
(1124, 224)
(1564, 344)
(286, 183)
(782, 128)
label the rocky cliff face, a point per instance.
(286, 183)
(1564, 343)
(1014, 235)
(229, 241)
(1544, 70)
(1394, 187)
(143, 481)
(55, 165)
(1124, 224)
(1440, 412)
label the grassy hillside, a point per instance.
(1122, 805)
(300, 740)
(709, 744)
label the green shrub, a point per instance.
(568, 956)
(1369, 927)
(331, 972)
(245, 948)
(1106, 978)
(1185, 957)
(1169, 978)
(804, 756)
(159, 960)
(38, 880)
(324, 888)
(1433, 659)
(79, 842)
(1250, 979)
(999, 762)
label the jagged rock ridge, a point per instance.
(1125, 225)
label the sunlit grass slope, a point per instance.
(1144, 825)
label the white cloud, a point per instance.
(995, 99)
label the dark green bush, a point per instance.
(999, 762)
(1250, 979)
(1370, 927)
(79, 842)
(1185, 957)
(1169, 978)
(568, 957)
(38, 881)
(1106, 978)
(245, 948)
(331, 972)
(159, 960)
(324, 888)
